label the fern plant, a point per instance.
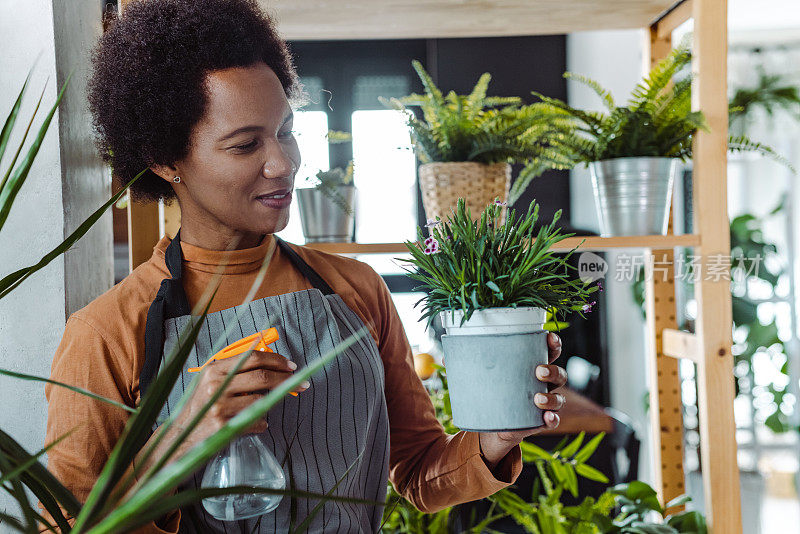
(657, 121)
(479, 128)
(773, 91)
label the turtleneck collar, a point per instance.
(203, 259)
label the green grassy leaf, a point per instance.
(13, 182)
(33, 378)
(11, 281)
(303, 527)
(115, 524)
(50, 492)
(25, 465)
(573, 446)
(587, 471)
(138, 427)
(8, 125)
(586, 452)
(152, 492)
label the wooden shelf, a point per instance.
(589, 243)
(419, 19)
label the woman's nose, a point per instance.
(278, 163)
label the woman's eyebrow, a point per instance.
(254, 128)
(251, 128)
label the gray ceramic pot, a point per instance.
(322, 219)
(633, 195)
(491, 376)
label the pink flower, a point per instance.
(431, 246)
(498, 202)
(600, 285)
(588, 307)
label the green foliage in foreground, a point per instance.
(623, 509)
(125, 497)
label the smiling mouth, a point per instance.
(279, 200)
(276, 195)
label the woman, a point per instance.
(200, 92)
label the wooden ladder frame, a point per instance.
(710, 346)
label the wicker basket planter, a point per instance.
(477, 183)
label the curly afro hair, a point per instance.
(146, 91)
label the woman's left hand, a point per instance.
(495, 445)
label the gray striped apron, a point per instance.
(337, 429)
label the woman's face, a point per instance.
(238, 176)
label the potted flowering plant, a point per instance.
(492, 283)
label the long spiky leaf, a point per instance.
(17, 177)
(11, 281)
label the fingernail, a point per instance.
(544, 372)
(558, 339)
(550, 416)
(540, 398)
(305, 385)
(291, 365)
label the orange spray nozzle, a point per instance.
(257, 341)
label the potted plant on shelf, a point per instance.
(466, 143)
(492, 283)
(634, 151)
(327, 204)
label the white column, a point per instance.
(613, 58)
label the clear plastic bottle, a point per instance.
(246, 461)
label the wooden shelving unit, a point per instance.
(585, 243)
(710, 347)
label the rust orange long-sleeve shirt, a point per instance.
(102, 350)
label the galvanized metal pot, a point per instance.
(633, 195)
(322, 219)
(491, 362)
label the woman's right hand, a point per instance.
(260, 373)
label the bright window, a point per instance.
(384, 176)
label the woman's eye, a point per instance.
(248, 146)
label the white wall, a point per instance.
(65, 183)
(613, 58)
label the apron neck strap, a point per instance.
(316, 280)
(170, 302)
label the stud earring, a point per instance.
(177, 179)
